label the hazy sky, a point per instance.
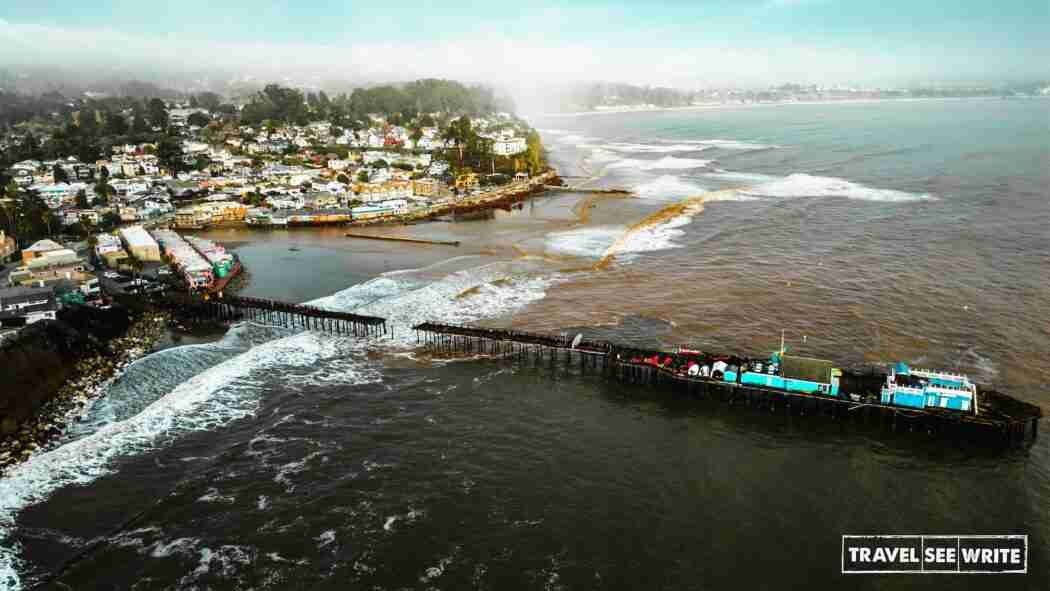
(694, 43)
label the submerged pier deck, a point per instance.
(1001, 418)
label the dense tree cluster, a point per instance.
(400, 103)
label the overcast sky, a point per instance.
(688, 44)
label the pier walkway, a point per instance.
(1002, 418)
(231, 308)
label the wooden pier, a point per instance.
(1002, 419)
(298, 316)
(228, 309)
(571, 189)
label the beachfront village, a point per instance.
(99, 194)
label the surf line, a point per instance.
(689, 206)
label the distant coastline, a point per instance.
(749, 105)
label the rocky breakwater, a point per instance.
(52, 369)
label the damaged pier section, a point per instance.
(276, 313)
(1001, 419)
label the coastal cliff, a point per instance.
(41, 357)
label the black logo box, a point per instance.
(935, 554)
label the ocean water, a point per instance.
(275, 459)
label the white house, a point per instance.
(507, 146)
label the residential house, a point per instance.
(425, 187)
(7, 246)
(508, 146)
(27, 304)
(40, 248)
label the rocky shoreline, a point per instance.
(87, 380)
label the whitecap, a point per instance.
(665, 163)
(325, 538)
(217, 396)
(731, 144)
(746, 177)
(585, 242)
(668, 187)
(805, 185)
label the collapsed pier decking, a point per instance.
(1001, 418)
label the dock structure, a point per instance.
(403, 239)
(1001, 418)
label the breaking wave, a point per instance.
(746, 177)
(667, 187)
(659, 230)
(232, 388)
(731, 144)
(215, 397)
(625, 147)
(665, 163)
(464, 296)
(804, 185)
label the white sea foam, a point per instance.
(218, 395)
(214, 496)
(805, 185)
(584, 242)
(598, 242)
(668, 187)
(574, 139)
(625, 147)
(499, 288)
(744, 177)
(730, 144)
(327, 537)
(665, 163)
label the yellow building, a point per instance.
(426, 187)
(206, 214)
(467, 181)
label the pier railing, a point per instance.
(230, 308)
(1005, 419)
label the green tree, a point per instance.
(103, 192)
(169, 153)
(158, 113)
(209, 101)
(110, 220)
(60, 174)
(198, 119)
(535, 158)
(139, 125)
(362, 177)
(116, 124)
(461, 133)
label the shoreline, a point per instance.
(153, 331)
(89, 378)
(494, 199)
(754, 105)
